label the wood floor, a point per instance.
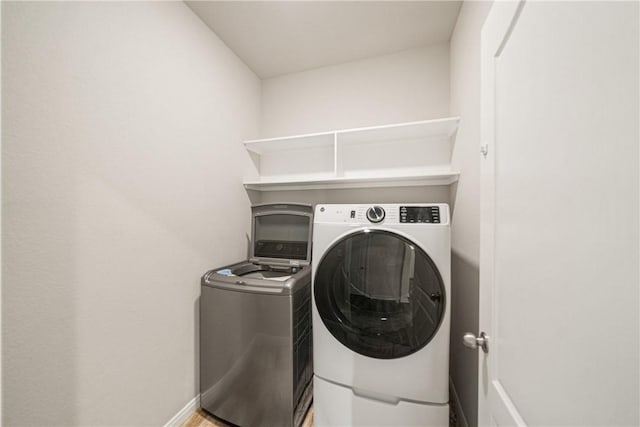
(202, 419)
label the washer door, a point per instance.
(379, 294)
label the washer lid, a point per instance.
(281, 234)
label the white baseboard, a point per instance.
(184, 413)
(457, 407)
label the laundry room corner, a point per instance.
(320, 213)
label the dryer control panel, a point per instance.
(383, 214)
(428, 214)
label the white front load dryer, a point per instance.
(381, 303)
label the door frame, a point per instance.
(494, 405)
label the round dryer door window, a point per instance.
(379, 294)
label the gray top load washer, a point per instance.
(255, 325)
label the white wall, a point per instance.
(1, 388)
(122, 169)
(401, 87)
(465, 200)
(405, 86)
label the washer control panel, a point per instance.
(424, 214)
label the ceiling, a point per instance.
(280, 37)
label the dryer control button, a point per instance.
(375, 214)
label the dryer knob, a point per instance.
(375, 214)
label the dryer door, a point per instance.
(379, 294)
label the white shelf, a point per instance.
(297, 142)
(443, 178)
(425, 129)
(404, 154)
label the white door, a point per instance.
(559, 251)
